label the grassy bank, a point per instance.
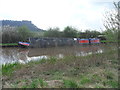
(8, 44)
(110, 41)
(92, 71)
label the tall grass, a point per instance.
(32, 83)
(70, 84)
(8, 69)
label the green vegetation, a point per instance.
(111, 23)
(89, 34)
(53, 32)
(92, 71)
(8, 44)
(33, 83)
(70, 84)
(24, 33)
(111, 83)
(84, 80)
(8, 69)
(37, 83)
(16, 34)
(71, 32)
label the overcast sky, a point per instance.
(82, 14)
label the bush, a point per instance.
(70, 32)
(70, 84)
(24, 33)
(15, 34)
(53, 32)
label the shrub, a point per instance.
(70, 84)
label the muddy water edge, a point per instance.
(23, 55)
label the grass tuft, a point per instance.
(70, 84)
(8, 69)
(85, 80)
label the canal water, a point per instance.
(24, 55)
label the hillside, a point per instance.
(12, 23)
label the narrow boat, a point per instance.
(83, 41)
(94, 40)
(24, 44)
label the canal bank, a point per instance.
(92, 71)
(54, 42)
(8, 44)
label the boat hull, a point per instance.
(23, 44)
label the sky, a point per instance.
(81, 14)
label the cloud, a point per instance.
(82, 14)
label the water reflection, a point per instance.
(22, 55)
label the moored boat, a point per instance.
(24, 44)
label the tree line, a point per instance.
(16, 34)
(71, 32)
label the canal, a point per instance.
(24, 55)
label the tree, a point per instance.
(70, 32)
(112, 22)
(9, 34)
(24, 33)
(89, 34)
(53, 32)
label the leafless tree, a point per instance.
(112, 21)
(112, 18)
